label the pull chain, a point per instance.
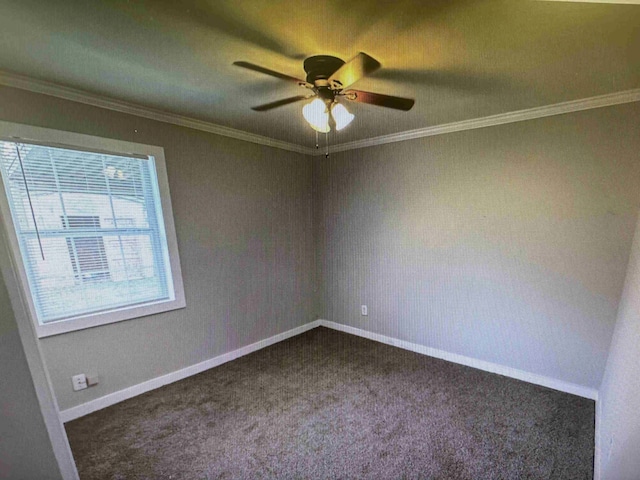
(317, 146)
(326, 137)
(26, 186)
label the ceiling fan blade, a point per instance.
(266, 71)
(352, 71)
(388, 101)
(279, 103)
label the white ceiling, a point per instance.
(459, 59)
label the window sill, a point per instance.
(113, 316)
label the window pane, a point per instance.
(90, 229)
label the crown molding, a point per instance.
(627, 96)
(47, 88)
(67, 93)
(622, 2)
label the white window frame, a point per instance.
(14, 132)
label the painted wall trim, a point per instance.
(627, 96)
(37, 365)
(130, 392)
(536, 379)
(47, 88)
(622, 2)
(135, 390)
(597, 457)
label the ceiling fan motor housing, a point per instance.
(321, 67)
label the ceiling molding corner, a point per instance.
(47, 88)
(617, 98)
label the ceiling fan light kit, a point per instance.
(316, 115)
(327, 78)
(341, 116)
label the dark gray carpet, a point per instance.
(327, 404)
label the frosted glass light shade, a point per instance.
(316, 114)
(341, 116)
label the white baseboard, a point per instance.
(116, 397)
(549, 382)
(597, 457)
(130, 392)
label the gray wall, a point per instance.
(506, 244)
(244, 226)
(25, 449)
(619, 396)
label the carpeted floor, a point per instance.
(330, 405)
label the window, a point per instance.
(91, 229)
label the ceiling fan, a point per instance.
(328, 79)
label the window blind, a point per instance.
(90, 229)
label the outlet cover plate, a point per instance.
(79, 382)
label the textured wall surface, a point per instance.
(25, 449)
(619, 395)
(506, 244)
(244, 226)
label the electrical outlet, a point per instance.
(79, 382)
(364, 311)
